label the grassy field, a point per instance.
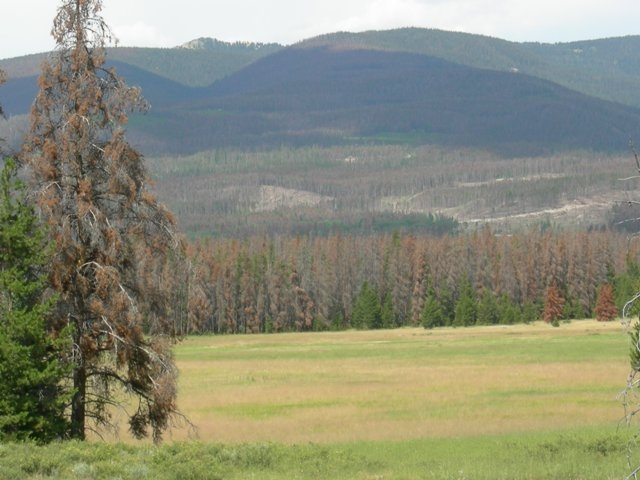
(517, 402)
(402, 384)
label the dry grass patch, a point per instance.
(402, 384)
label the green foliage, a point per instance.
(508, 312)
(366, 309)
(466, 308)
(531, 312)
(626, 285)
(32, 398)
(586, 454)
(487, 311)
(387, 315)
(432, 315)
(634, 333)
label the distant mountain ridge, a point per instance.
(197, 63)
(207, 43)
(325, 95)
(406, 85)
(606, 68)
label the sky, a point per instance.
(25, 24)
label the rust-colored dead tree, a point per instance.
(108, 231)
(553, 305)
(606, 309)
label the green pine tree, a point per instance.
(32, 399)
(466, 310)
(366, 309)
(432, 315)
(531, 312)
(445, 299)
(508, 312)
(387, 317)
(487, 312)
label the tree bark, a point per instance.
(78, 411)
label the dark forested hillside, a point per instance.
(413, 86)
(605, 68)
(325, 95)
(18, 93)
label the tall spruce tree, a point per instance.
(32, 394)
(466, 309)
(111, 236)
(366, 309)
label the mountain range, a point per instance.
(409, 86)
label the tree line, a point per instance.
(274, 284)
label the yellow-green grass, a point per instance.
(489, 403)
(398, 385)
(583, 455)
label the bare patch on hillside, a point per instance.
(582, 211)
(272, 198)
(528, 178)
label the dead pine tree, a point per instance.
(110, 233)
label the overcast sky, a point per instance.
(25, 24)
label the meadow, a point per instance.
(502, 402)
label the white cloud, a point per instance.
(141, 34)
(381, 14)
(26, 23)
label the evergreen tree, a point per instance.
(445, 300)
(531, 312)
(366, 309)
(387, 317)
(465, 313)
(508, 313)
(32, 397)
(626, 286)
(432, 315)
(487, 312)
(112, 239)
(606, 309)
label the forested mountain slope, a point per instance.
(366, 132)
(336, 96)
(605, 68)
(410, 85)
(197, 63)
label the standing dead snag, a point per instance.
(91, 190)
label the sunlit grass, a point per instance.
(493, 403)
(402, 384)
